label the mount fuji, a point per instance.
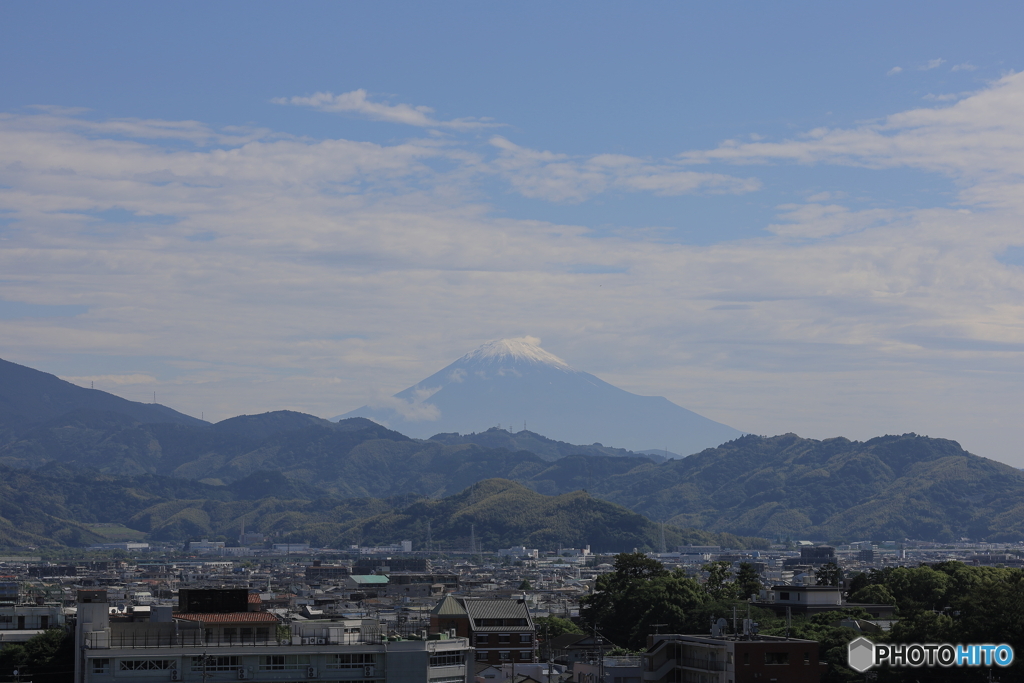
(512, 381)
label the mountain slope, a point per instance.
(548, 449)
(29, 397)
(514, 380)
(905, 486)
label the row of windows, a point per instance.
(448, 659)
(146, 664)
(503, 638)
(505, 656)
(449, 679)
(351, 661)
(215, 663)
(283, 662)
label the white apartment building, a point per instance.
(225, 646)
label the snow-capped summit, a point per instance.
(516, 349)
(516, 382)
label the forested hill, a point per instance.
(890, 487)
(55, 506)
(29, 397)
(905, 486)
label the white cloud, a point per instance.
(979, 141)
(315, 273)
(357, 102)
(966, 66)
(893, 71)
(932, 64)
(561, 178)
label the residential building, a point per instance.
(187, 646)
(731, 659)
(500, 630)
(812, 600)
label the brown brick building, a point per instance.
(502, 631)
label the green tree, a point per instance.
(47, 657)
(827, 575)
(552, 627)
(639, 593)
(748, 581)
(525, 585)
(717, 585)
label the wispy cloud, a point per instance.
(893, 71)
(562, 178)
(358, 102)
(966, 66)
(334, 267)
(932, 64)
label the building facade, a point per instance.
(501, 631)
(251, 646)
(731, 659)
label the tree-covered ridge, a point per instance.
(946, 603)
(52, 507)
(774, 487)
(891, 486)
(538, 444)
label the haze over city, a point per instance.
(786, 219)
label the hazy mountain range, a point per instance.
(170, 476)
(515, 382)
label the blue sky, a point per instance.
(801, 218)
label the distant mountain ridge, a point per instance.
(29, 397)
(546, 448)
(512, 381)
(905, 486)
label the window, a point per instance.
(146, 664)
(449, 679)
(448, 659)
(6, 619)
(525, 655)
(504, 638)
(100, 666)
(746, 658)
(807, 658)
(283, 662)
(525, 638)
(776, 658)
(504, 655)
(215, 663)
(783, 596)
(355, 660)
(482, 639)
(481, 656)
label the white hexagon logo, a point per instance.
(861, 654)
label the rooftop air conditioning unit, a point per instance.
(369, 670)
(305, 641)
(321, 641)
(451, 633)
(174, 674)
(310, 672)
(241, 673)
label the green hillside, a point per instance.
(905, 486)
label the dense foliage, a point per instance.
(946, 603)
(46, 658)
(775, 487)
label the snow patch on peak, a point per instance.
(517, 348)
